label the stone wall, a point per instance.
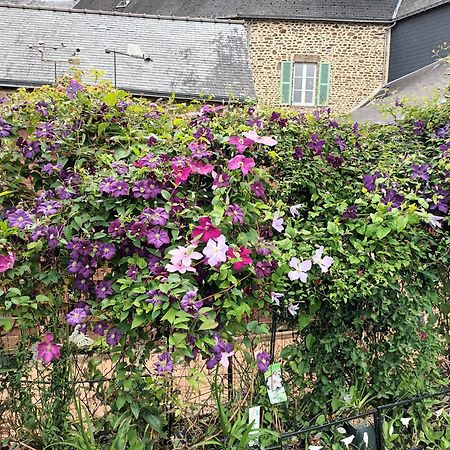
(357, 53)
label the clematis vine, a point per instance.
(241, 162)
(265, 140)
(206, 230)
(216, 251)
(300, 269)
(324, 262)
(242, 255)
(47, 350)
(277, 222)
(7, 262)
(182, 258)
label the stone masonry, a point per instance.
(357, 53)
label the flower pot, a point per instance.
(357, 429)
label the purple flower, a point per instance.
(263, 361)
(258, 189)
(198, 151)
(154, 265)
(442, 132)
(392, 199)
(335, 161)
(158, 237)
(350, 212)
(369, 181)
(157, 216)
(151, 141)
(106, 251)
(113, 337)
(100, 328)
(103, 290)
(105, 185)
(72, 89)
(30, 150)
(154, 297)
(63, 193)
(164, 363)
(204, 133)
(220, 180)
(222, 351)
(133, 272)
(340, 143)
(265, 268)
(189, 304)
(316, 145)
(5, 128)
(120, 168)
(236, 213)
(115, 228)
(421, 171)
(76, 316)
(119, 188)
(19, 219)
(45, 130)
(48, 208)
(438, 200)
(50, 169)
(52, 235)
(419, 127)
(142, 189)
(42, 108)
(298, 153)
(82, 284)
(79, 247)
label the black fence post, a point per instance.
(378, 423)
(230, 379)
(273, 336)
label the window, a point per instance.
(123, 4)
(304, 84)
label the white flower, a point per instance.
(348, 440)
(295, 212)
(435, 221)
(405, 421)
(216, 251)
(277, 222)
(80, 339)
(315, 447)
(324, 262)
(293, 308)
(300, 269)
(275, 296)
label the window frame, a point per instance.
(303, 89)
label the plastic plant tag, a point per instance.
(274, 382)
(254, 416)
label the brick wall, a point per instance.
(356, 53)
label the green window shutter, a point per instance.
(286, 82)
(323, 87)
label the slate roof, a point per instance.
(190, 57)
(333, 10)
(48, 3)
(411, 7)
(416, 86)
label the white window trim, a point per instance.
(303, 89)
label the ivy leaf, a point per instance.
(382, 232)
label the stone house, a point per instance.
(304, 53)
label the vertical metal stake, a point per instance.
(230, 379)
(56, 76)
(115, 70)
(273, 335)
(378, 422)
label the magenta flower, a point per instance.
(241, 162)
(47, 350)
(265, 140)
(216, 251)
(236, 213)
(242, 256)
(206, 230)
(7, 262)
(324, 262)
(240, 143)
(157, 237)
(300, 271)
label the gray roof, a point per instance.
(417, 87)
(410, 7)
(48, 3)
(333, 10)
(190, 57)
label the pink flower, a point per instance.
(265, 140)
(182, 257)
(242, 255)
(206, 230)
(182, 175)
(216, 251)
(201, 167)
(241, 162)
(240, 143)
(300, 269)
(7, 262)
(324, 262)
(47, 350)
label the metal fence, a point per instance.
(378, 415)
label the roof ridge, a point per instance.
(421, 10)
(123, 14)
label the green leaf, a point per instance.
(138, 321)
(400, 223)
(208, 323)
(382, 232)
(332, 228)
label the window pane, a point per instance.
(297, 96)
(311, 70)
(298, 70)
(298, 83)
(309, 84)
(308, 96)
